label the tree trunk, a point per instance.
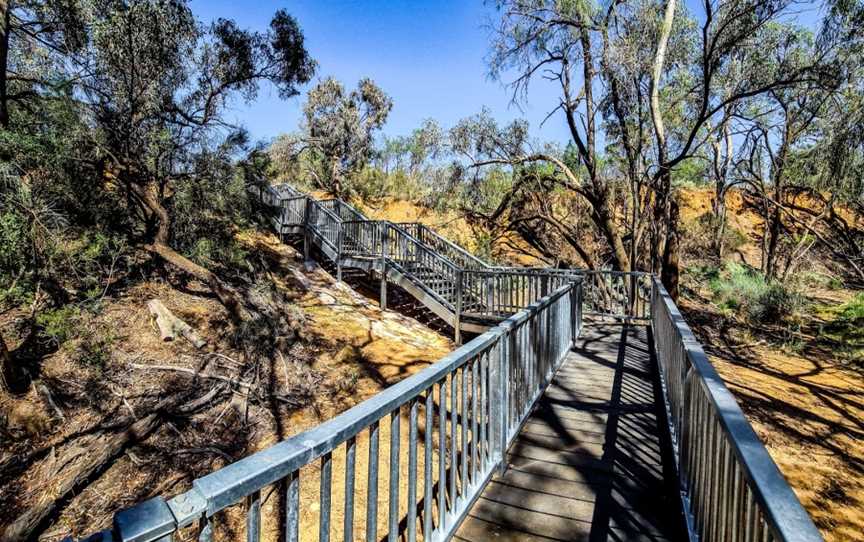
(663, 178)
(671, 269)
(719, 209)
(7, 374)
(606, 223)
(773, 243)
(227, 295)
(5, 31)
(335, 178)
(13, 379)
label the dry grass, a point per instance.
(350, 350)
(806, 405)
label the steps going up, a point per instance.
(460, 288)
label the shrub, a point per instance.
(745, 291)
(853, 311)
(58, 325)
(95, 349)
(698, 237)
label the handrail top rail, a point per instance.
(291, 198)
(781, 506)
(574, 271)
(325, 210)
(227, 485)
(449, 243)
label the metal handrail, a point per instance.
(731, 488)
(462, 254)
(615, 294)
(493, 383)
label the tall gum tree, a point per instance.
(159, 85)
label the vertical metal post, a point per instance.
(497, 412)
(339, 251)
(384, 227)
(457, 317)
(306, 235)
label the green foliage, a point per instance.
(95, 348)
(745, 291)
(14, 240)
(209, 211)
(60, 324)
(690, 173)
(846, 329)
(815, 279)
(852, 312)
(702, 273)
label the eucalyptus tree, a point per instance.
(647, 77)
(338, 136)
(36, 36)
(802, 152)
(157, 88)
(413, 152)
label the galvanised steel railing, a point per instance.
(343, 210)
(444, 431)
(444, 246)
(617, 294)
(293, 210)
(362, 238)
(505, 292)
(323, 223)
(731, 488)
(453, 276)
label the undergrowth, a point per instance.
(846, 329)
(745, 291)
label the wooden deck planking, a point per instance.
(592, 461)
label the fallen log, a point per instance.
(170, 325)
(191, 372)
(85, 458)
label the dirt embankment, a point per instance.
(103, 378)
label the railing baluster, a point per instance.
(474, 390)
(454, 450)
(427, 465)
(412, 471)
(442, 455)
(292, 507)
(372, 487)
(205, 533)
(253, 517)
(464, 427)
(350, 464)
(395, 422)
(484, 362)
(325, 497)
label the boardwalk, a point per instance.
(592, 462)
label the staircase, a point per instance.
(464, 291)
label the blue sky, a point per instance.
(427, 55)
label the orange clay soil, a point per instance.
(351, 350)
(808, 409)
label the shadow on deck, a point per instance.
(594, 459)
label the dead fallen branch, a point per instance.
(83, 459)
(170, 325)
(192, 372)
